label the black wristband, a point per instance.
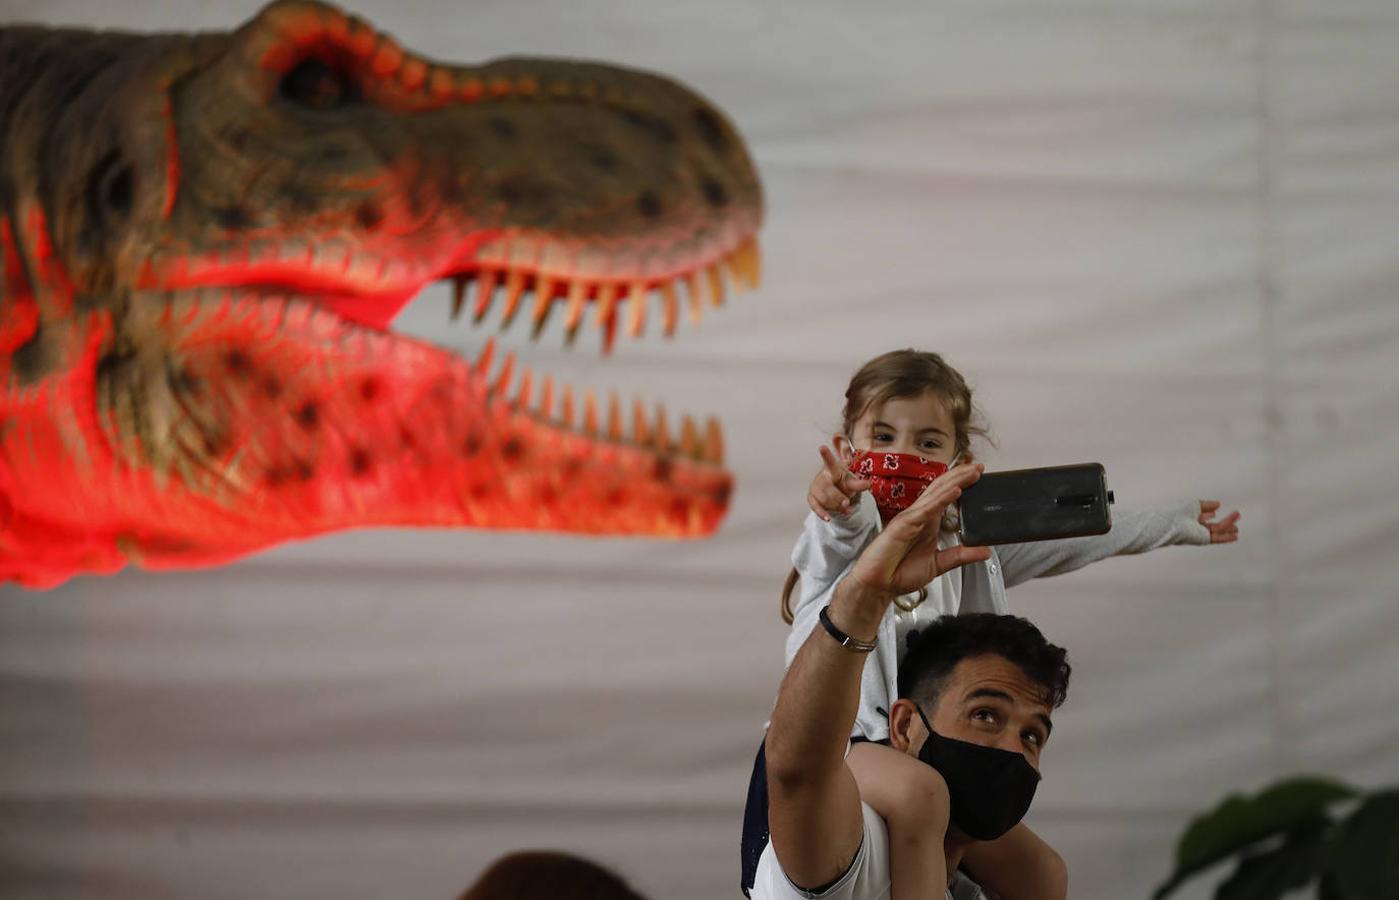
(854, 645)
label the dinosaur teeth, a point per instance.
(566, 411)
(714, 442)
(661, 438)
(614, 418)
(689, 438)
(502, 379)
(522, 394)
(636, 321)
(696, 293)
(577, 299)
(641, 432)
(485, 293)
(607, 314)
(744, 265)
(514, 292)
(483, 362)
(590, 419)
(543, 306)
(672, 307)
(546, 397)
(716, 284)
(458, 296)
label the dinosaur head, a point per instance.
(250, 211)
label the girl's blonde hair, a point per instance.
(898, 375)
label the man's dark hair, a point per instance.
(940, 646)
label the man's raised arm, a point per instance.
(814, 806)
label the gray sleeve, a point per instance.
(826, 549)
(1132, 532)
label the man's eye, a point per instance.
(1033, 738)
(984, 715)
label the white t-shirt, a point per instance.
(866, 879)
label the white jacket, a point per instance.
(826, 551)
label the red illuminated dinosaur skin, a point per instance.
(204, 238)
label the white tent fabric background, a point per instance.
(1163, 234)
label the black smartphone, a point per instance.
(1036, 505)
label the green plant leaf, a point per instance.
(1240, 821)
(1293, 863)
(1365, 854)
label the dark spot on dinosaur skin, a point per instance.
(215, 444)
(304, 470)
(710, 128)
(406, 439)
(87, 301)
(308, 415)
(480, 491)
(369, 390)
(451, 190)
(360, 462)
(663, 469)
(301, 201)
(720, 494)
(503, 128)
(237, 363)
(232, 218)
(183, 381)
(271, 388)
(654, 125)
(714, 193)
(548, 495)
(571, 466)
(33, 359)
(679, 508)
(471, 444)
(111, 363)
(615, 497)
(522, 190)
(512, 449)
(239, 139)
(368, 215)
(274, 477)
(603, 159)
(649, 205)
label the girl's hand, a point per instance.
(1224, 531)
(905, 555)
(834, 487)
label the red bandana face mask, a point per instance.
(896, 479)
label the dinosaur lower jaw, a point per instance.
(306, 423)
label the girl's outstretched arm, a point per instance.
(1132, 532)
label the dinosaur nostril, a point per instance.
(710, 128)
(714, 192)
(649, 204)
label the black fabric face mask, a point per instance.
(991, 789)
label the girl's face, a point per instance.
(919, 425)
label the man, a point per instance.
(976, 695)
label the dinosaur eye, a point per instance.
(315, 83)
(112, 191)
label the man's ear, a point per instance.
(844, 450)
(906, 731)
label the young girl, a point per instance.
(909, 402)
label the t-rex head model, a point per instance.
(203, 239)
